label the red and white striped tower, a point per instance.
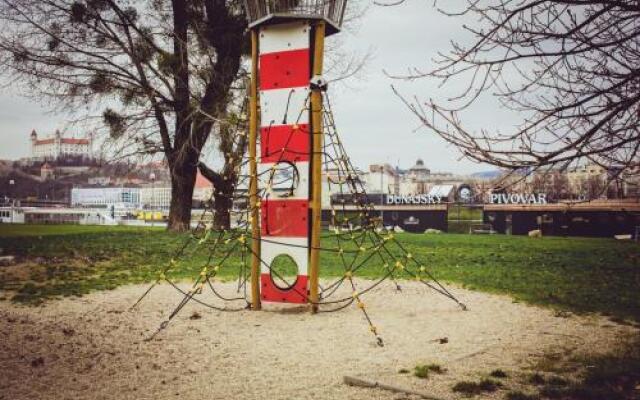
(285, 142)
(287, 52)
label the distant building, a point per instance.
(58, 147)
(601, 218)
(419, 173)
(631, 182)
(101, 197)
(155, 197)
(417, 180)
(587, 180)
(47, 171)
(99, 180)
(203, 189)
(382, 178)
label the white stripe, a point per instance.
(301, 192)
(296, 248)
(284, 37)
(273, 104)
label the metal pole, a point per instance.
(13, 200)
(316, 174)
(253, 173)
(381, 195)
(153, 197)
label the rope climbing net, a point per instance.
(355, 242)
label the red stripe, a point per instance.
(270, 292)
(285, 218)
(295, 141)
(285, 69)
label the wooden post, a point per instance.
(316, 171)
(253, 172)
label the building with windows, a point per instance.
(587, 180)
(157, 195)
(154, 197)
(382, 178)
(102, 197)
(55, 147)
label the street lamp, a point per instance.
(287, 51)
(13, 200)
(381, 170)
(152, 177)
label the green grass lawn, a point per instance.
(575, 274)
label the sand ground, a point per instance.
(93, 347)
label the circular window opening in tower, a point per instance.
(284, 271)
(284, 179)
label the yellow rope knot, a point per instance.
(348, 274)
(360, 305)
(399, 265)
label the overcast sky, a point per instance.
(375, 126)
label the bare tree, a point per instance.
(554, 184)
(571, 68)
(162, 72)
(232, 145)
(593, 187)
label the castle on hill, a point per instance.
(57, 147)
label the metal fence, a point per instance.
(332, 10)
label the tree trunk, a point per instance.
(223, 190)
(223, 202)
(183, 179)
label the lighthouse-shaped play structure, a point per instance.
(285, 150)
(293, 139)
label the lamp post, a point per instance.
(286, 80)
(13, 200)
(382, 195)
(152, 178)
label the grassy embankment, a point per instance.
(575, 274)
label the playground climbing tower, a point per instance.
(286, 116)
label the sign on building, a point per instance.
(517, 198)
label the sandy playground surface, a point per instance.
(94, 348)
